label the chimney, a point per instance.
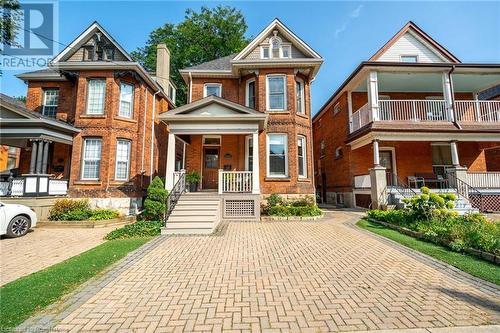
(163, 67)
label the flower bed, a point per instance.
(79, 210)
(278, 207)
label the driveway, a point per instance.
(316, 276)
(44, 247)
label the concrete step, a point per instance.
(185, 211)
(186, 231)
(187, 225)
(192, 218)
(196, 203)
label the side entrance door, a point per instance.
(210, 167)
(386, 162)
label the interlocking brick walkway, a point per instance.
(313, 276)
(44, 247)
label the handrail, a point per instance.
(401, 186)
(464, 189)
(175, 194)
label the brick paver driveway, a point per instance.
(281, 276)
(44, 247)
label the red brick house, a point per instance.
(89, 126)
(412, 115)
(246, 130)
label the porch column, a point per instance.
(46, 145)
(39, 157)
(255, 164)
(378, 180)
(349, 109)
(372, 86)
(447, 89)
(454, 153)
(169, 173)
(34, 150)
(376, 154)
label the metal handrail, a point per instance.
(175, 194)
(402, 187)
(464, 189)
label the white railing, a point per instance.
(477, 111)
(58, 187)
(413, 110)
(362, 181)
(484, 179)
(4, 188)
(235, 181)
(361, 117)
(17, 187)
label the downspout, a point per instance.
(144, 134)
(152, 135)
(452, 92)
(190, 87)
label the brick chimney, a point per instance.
(163, 66)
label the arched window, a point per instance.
(275, 47)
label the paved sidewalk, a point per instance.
(44, 247)
(315, 276)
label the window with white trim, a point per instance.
(126, 100)
(275, 47)
(299, 98)
(250, 94)
(277, 155)
(211, 140)
(249, 153)
(301, 156)
(276, 92)
(50, 102)
(265, 52)
(286, 51)
(122, 166)
(91, 161)
(95, 96)
(212, 89)
(409, 58)
(336, 108)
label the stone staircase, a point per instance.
(194, 213)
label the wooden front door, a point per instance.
(210, 167)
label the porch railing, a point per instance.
(488, 180)
(176, 192)
(15, 187)
(464, 189)
(413, 110)
(477, 111)
(361, 117)
(235, 181)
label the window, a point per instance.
(286, 51)
(340, 198)
(276, 92)
(126, 100)
(336, 108)
(441, 158)
(275, 47)
(95, 96)
(339, 152)
(301, 154)
(265, 52)
(322, 148)
(50, 101)
(250, 94)
(249, 153)
(211, 140)
(212, 89)
(91, 158)
(299, 98)
(122, 159)
(409, 58)
(277, 151)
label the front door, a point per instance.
(386, 162)
(210, 167)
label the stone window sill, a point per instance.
(278, 112)
(303, 115)
(278, 179)
(88, 182)
(303, 180)
(93, 116)
(129, 120)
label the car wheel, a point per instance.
(18, 226)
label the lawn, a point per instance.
(467, 263)
(20, 299)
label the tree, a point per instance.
(9, 21)
(203, 36)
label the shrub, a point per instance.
(136, 230)
(428, 205)
(70, 209)
(103, 214)
(155, 203)
(193, 177)
(274, 200)
(277, 206)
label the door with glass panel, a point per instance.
(210, 167)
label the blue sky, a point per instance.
(344, 33)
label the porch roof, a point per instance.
(20, 124)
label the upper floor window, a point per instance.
(212, 89)
(275, 47)
(265, 52)
(336, 108)
(301, 156)
(250, 94)
(276, 92)
(122, 159)
(91, 161)
(409, 58)
(286, 51)
(126, 100)
(95, 96)
(50, 102)
(299, 98)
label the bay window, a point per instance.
(276, 92)
(91, 161)
(122, 159)
(95, 96)
(126, 100)
(277, 155)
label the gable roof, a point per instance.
(411, 27)
(84, 37)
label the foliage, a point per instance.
(138, 229)
(9, 21)
(155, 203)
(103, 214)
(25, 296)
(467, 263)
(193, 177)
(277, 206)
(202, 36)
(79, 210)
(274, 200)
(427, 205)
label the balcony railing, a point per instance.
(478, 111)
(486, 180)
(235, 181)
(413, 110)
(361, 118)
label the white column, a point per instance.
(372, 86)
(255, 164)
(349, 109)
(221, 181)
(477, 106)
(169, 173)
(376, 155)
(454, 153)
(448, 96)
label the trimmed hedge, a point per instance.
(79, 210)
(136, 230)
(277, 206)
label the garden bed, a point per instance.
(119, 221)
(290, 218)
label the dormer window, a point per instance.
(409, 58)
(265, 52)
(276, 48)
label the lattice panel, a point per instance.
(239, 208)
(486, 202)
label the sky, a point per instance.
(343, 33)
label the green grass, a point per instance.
(20, 299)
(465, 262)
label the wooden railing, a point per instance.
(361, 117)
(235, 181)
(489, 180)
(477, 111)
(413, 110)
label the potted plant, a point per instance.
(193, 178)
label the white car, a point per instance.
(16, 220)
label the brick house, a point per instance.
(412, 115)
(246, 130)
(89, 127)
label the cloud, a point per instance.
(353, 15)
